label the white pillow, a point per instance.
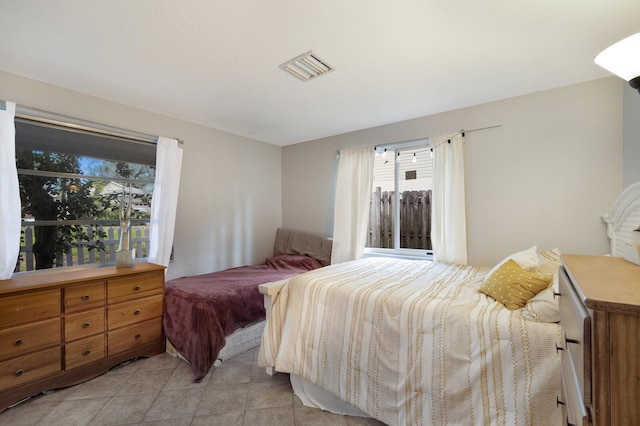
(527, 259)
(543, 307)
(552, 255)
(550, 263)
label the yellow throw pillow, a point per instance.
(513, 286)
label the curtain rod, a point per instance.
(400, 145)
(462, 132)
(34, 114)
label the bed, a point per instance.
(202, 311)
(622, 219)
(413, 342)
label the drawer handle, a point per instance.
(18, 373)
(18, 342)
(137, 336)
(137, 288)
(137, 312)
(85, 297)
(86, 324)
(86, 352)
(558, 402)
(566, 339)
(556, 294)
(558, 348)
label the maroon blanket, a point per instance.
(201, 310)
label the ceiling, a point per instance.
(216, 62)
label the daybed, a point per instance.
(201, 311)
(417, 343)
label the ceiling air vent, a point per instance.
(306, 66)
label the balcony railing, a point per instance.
(86, 252)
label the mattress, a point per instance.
(200, 311)
(414, 343)
(237, 342)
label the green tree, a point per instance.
(58, 199)
(111, 201)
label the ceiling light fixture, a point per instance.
(623, 60)
(306, 66)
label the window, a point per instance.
(400, 214)
(71, 184)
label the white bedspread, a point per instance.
(414, 343)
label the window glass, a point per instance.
(71, 202)
(400, 214)
(414, 188)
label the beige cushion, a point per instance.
(549, 264)
(544, 306)
(289, 241)
(552, 255)
(513, 286)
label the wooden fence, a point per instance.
(415, 219)
(84, 252)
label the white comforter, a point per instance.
(414, 343)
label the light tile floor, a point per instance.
(160, 391)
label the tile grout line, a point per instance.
(202, 391)
(247, 365)
(112, 396)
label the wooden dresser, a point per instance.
(59, 328)
(600, 318)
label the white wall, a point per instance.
(544, 177)
(631, 135)
(230, 192)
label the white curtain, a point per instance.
(448, 213)
(9, 194)
(353, 196)
(165, 200)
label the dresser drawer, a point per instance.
(139, 285)
(84, 351)
(137, 310)
(85, 296)
(576, 327)
(29, 368)
(134, 335)
(53, 325)
(562, 401)
(29, 307)
(574, 407)
(83, 324)
(30, 337)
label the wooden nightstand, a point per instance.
(600, 318)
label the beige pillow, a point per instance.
(550, 263)
(552, 255)
(548, 268)
(543, 307)
(513, 286)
